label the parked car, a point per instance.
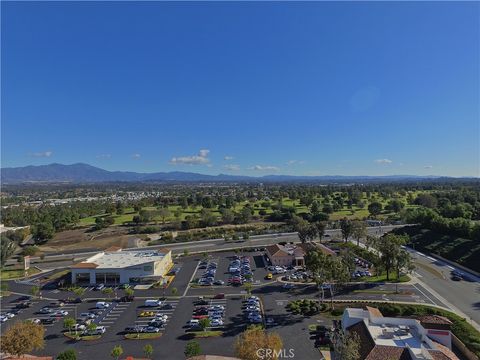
(269, 276)
(47, 321)
(134, 329)
(219, 296)
(147, 313)
(23, 305)
(219, 282)
(102, 305)
(151, 329)
(100, 287)
(153, 302)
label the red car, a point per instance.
(219, 296)
(199, 317)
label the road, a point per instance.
(211, 244)
(434, 275)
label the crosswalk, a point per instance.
(144, 320)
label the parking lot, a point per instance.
(173, 327)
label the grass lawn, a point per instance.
(354, 213)
(206, 334)
(383, 278)
(7, 274)
(143, 336)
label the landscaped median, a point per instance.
(79, 337)
(11, 274)
(205, 334)
(142, 336)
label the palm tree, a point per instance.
(69, 323)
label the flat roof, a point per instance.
(120, 259)
(397, 335)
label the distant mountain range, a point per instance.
(84, 173)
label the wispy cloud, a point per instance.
(227, 158)
(41, 154)
(264, 168)
(200, 159)
(136, 156)
(428, 167)
(295, 162)
(383, 161)
(232, 167)
(104, 156)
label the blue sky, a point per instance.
(306, 88)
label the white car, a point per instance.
(216, 322)
(160, 316)
(99, 330)
(3, 318)
(193, 322)
(88, 315)
(216, 307)
(102, 305)
(9, 315)
(60, 313)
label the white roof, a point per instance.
(122, 259)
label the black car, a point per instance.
(47, 321)
(23, 305)
(134, 329)
(127, 298)
(167, 306)
(201, 302)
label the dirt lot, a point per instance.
(82, 239)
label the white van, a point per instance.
(102, 305)
(152, 303)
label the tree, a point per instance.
(107, 291)
(7, 248)
(320, 226)
(254, 338)
(347, 228)
(185, 252)
(404, 263)
(248, 287)
(91, 327)
(44, 231)
(204, 323)
(359, 230)
(79, 291)
(34, 290)
(116, 352)
(375, 208)
(174, 291)
(148, 350)
(164, 213)
(22, 338)
(227, 215)
(68, 354)
(129, 292)
(346, 347)
(395, 205)
(69, 323)
(192, 349)
(389, 248)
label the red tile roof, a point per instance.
(383, 352)
(85, 265)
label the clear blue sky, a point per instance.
(290, 88)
